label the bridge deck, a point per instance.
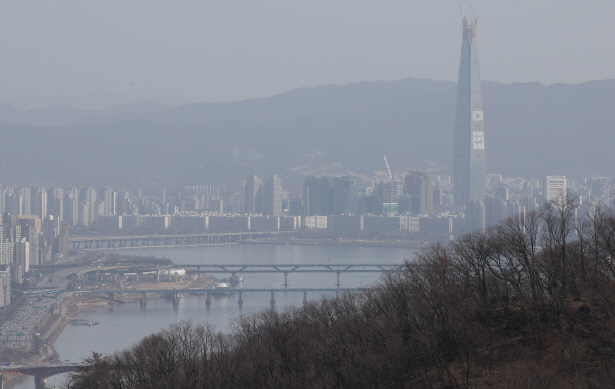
(42, 371)
(170, 236)
(122, 291)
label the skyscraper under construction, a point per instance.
(470, 171)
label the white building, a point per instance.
(554, 186)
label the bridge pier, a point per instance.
(157, 274)
(338, 279)
(169, 275)
(110, 296)
(240, 302)
(143, 300)
(40, 383)
(208, 300)
(272, 301)
(175, 300)
(285, 280)
(305, 298)
(198, 273)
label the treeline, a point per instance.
(527, 304)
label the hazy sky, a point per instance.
(231, 50)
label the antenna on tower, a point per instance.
(473, 13)
(389, 169)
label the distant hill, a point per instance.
(531, 130)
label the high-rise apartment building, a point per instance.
(554, 186)
(22, 254)
(109, 201)
(470, 171)
(14, 204)
(71, 206)
(26, 194)
(5, 285)
(253, 198)
(6, 252)
(39, 203)
(55, 202)
(89, 198)
(475, 216)
(272, 196)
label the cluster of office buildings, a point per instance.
(415, 202)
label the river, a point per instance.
(126, 324)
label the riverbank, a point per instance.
(75, 303)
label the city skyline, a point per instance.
(209, 159)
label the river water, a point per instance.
(126, 324)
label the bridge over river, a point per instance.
(40, 372)
(102, 242)
(175, 293)
(235, 269)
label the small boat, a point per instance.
(221, 289)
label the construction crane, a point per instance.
(389, 169)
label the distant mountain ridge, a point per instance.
(531, 130)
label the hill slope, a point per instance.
(531, 130)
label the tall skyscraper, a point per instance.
(418, 186)
(253, 195)
(317, 195)
(345, 196)
(272, 196)
(470, 171)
